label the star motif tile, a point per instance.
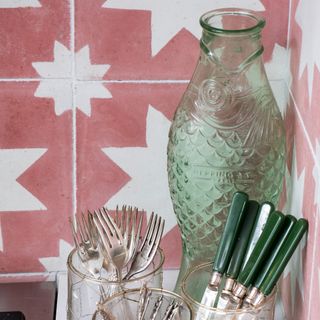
(63, 84)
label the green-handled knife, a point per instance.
(286, 251)
(237, 258)
(264, 211)
(226, 245)
(258, 256)
(288, 224)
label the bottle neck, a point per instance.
(232, 53)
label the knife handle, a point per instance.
(287, 249)
(228, 237)
(250, 214)
(262, 248)
(288, 224)
(264, 211)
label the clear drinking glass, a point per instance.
(125, 305)
(193, 287)
(86, 291)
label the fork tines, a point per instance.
(149, 246)
(82, 230)
(153, 235)
(121, 233)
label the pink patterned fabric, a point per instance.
(88, 91)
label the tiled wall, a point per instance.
(301, 285)
(88, 89)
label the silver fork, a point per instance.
(129, 222)
(112, 242)
(149, 246)
(86, 243)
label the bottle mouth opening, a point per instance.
(232, 21)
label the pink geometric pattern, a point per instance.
(305, 62)
(28, 35)
(30, 225)
(79, 81)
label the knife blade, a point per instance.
(288, 224)
(236, 261)
(300, 227)
(225, 247)
(259, 254)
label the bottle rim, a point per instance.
(255, 23)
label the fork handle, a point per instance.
(174, 311)
(156, 308)
(169, 310)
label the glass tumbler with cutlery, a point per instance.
(112, 253)
(241, 281)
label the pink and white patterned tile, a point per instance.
(125, 41)
(121, 151)
(137, 44)
(275, 31)
(120, 127)
(305, 64)
(28, 30)
(36, 178)
(78, 79)
(299, 275)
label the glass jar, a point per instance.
(227, 134)
(85, 291)
(193, 287)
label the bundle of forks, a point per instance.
(114, 243)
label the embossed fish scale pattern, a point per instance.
(207, 165)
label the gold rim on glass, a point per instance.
(186, 296)
(90, 278)
(156, 290)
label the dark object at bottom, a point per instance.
(12, 315)
(34, 300)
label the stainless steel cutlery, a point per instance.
(116, 242)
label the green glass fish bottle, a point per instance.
(227, 134)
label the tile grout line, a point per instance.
(142, 81)
(74, 124)
(304, 128)
(26, 274)
(289, 25)
(20, 79)
(145, 81)
(289, 76)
